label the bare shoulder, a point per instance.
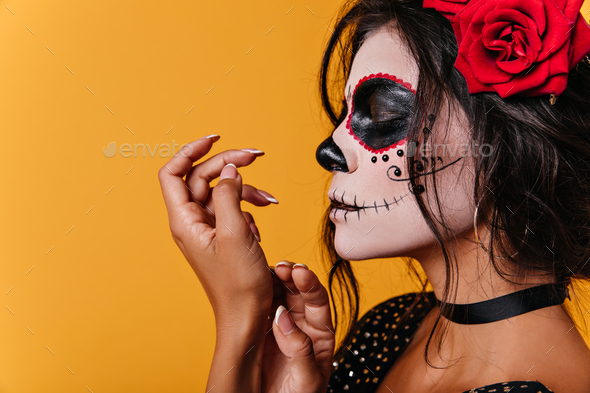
(565, 367)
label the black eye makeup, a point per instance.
(380, 112)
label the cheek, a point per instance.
(395, 226)
(455, 192)
(384, 175)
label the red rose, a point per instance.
(520, 47)
(516, 47)
(448, 8)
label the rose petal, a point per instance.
(571, 9)
(451, 8)
(532, 9)
(524, 81)
(483, 64)
(559, 62)
(473, 85)
(525, 24)
(456, 25)
(464, 19)
(428, 4)
(514, 17)
(562, 4)
(533, 40)
(580, 41)
(555, 84)
(502, 48)
(558, 30)
(524, 56)
(493, 31)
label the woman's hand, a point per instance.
(298, 356)
(221, 244)
(213, 233)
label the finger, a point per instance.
(314, 296)
(278, 293)
(202, 174)
(249, 194)
(171, 175)
(318, 316)
(293, 299)
(229, 220)
(257, 197)
(297, 347)
(306, 297)
(250, 220)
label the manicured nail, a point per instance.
(255, 231)
(284, 263)
(268, 197)
(254, 151)
(300, 265)
(215, 137)
(229, 172)
(283, 321)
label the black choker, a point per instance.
(506, 306)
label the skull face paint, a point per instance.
(379, 119)
(380, 112)
(373, 204)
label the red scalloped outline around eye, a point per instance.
(407, 85)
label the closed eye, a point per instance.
(381, 109)
(384, 117)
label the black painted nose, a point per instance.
(330, 157)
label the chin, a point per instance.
(350, 243)
(347, 246)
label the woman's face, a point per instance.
(373, 206)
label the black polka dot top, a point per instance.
(371, 354)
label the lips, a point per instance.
(340, 205)
(337, 202)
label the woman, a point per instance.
(462, 141)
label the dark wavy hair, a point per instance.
(532, 191)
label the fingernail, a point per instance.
(215, 137)
(254, 151)
(268, 197)
(255, 231)
(284, 263)
(283, 321)
(300, 265)
(256, 235)
(229, 172)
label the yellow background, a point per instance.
(98, 297)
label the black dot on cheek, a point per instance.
(373, 159)
(419, 167)
(385, 157)
(419, 189)
(400, 153)
(397, 172)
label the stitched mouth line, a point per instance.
(339, 204)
